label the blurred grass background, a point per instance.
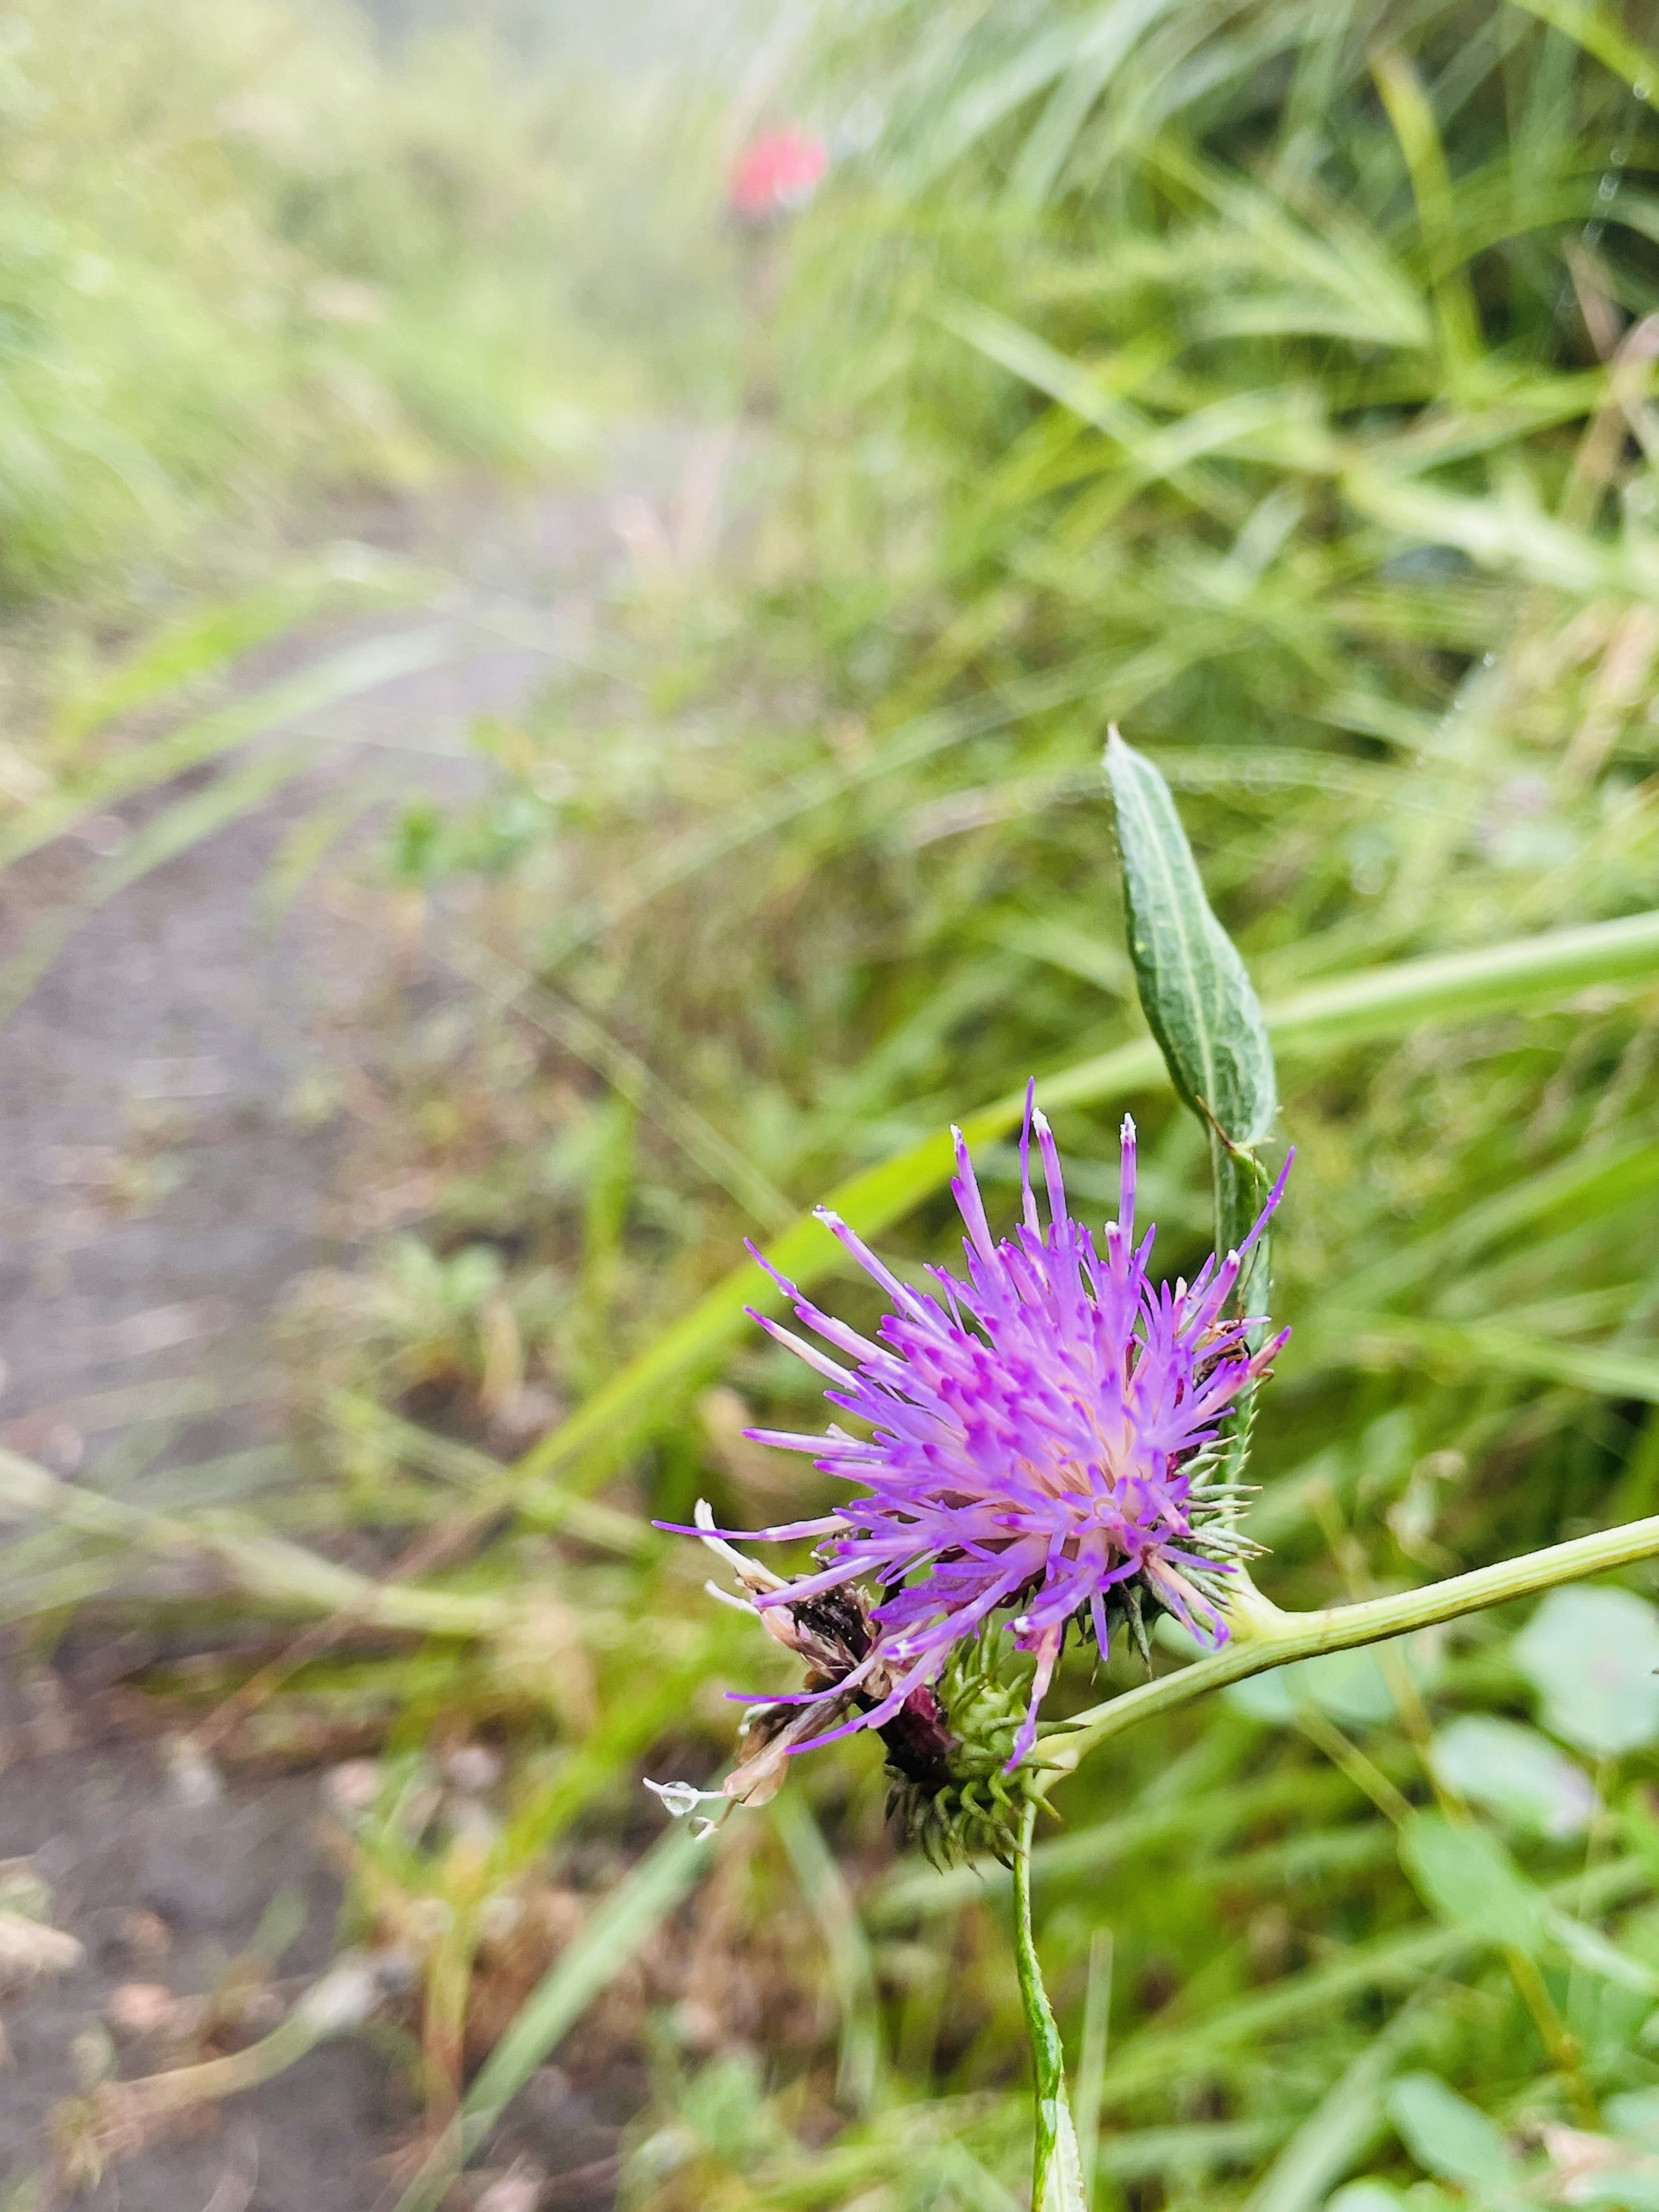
(1274, 380)
(257, 257)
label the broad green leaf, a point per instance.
(1634, 2115)
(1590, 1653)
(1200, 1003)
(1469, 1881)
(1620, 2187)
(1447, 2134)
(1514, 1773)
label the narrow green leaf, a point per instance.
(311, 689)
(187, 822)
(1589, 1947)
(1057, 2171)
(1200, 1003)
(209, 638)
(1063, 2189)
(852, 1969)
(1400, 1960)
(1481, 1346)
(1598, 34)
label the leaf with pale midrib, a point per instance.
(1200, 1003)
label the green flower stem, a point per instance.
(1263, 1637)
(1056, 2181)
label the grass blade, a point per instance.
(1340, 2129)
(851, 1967)
(1484, 1348)
(628, 1917)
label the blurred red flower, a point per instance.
(777, 171)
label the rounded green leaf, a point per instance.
(1469, 1880)
(1591, 1656)
(1446, 2134)
(1366, 2195)
(1635, 2116)
(1514, 1773)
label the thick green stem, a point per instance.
(1263, 1637)
(1056, 2184)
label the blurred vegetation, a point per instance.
(1275, 381)
(255, 253)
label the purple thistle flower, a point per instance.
(1046, 1439)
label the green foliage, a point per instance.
(250, 254)
(1223, 372)
(1512, 1773)
(1591, 1656)
(1260, 376)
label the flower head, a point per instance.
(1046, 1441)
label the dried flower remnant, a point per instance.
(1047, 1443)
(830, 1632)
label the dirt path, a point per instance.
(162, 1180)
